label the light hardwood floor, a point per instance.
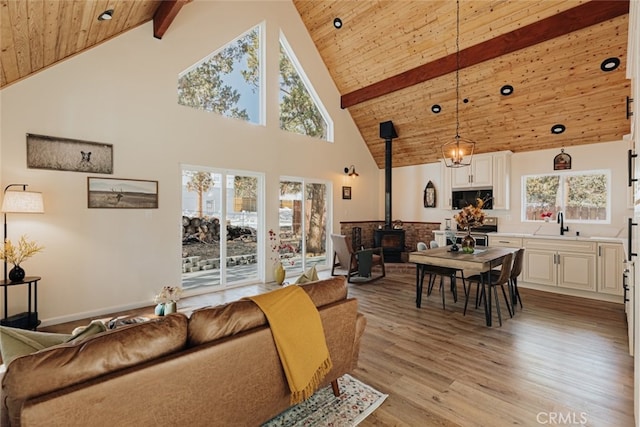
(560, 361)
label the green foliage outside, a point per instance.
(581, 197)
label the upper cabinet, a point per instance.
(478, 174)
(486, 170)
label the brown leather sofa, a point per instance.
(220, 367)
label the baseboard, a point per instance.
(93, 313)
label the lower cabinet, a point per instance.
(610, 266)
(572, 264)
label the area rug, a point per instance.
(356, 402)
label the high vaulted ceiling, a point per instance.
(394, 60)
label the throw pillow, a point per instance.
(16, 342)
(311, 275)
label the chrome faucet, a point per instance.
(561, 222)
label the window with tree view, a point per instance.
(300, 109)
(226, 82)
(581, 196)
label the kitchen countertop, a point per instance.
(566, 237)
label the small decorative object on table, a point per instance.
(546, 215)
(15, 255)
(468, 217)
(280, 251)
(167, 299)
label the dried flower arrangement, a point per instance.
(16, 254)
(168, 294)
(470, 215)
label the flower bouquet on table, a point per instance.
(470, 216)
(167, 299)
(546, 215)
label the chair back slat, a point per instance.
(505, 271)
(517, 264)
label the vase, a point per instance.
(170, 307)
(16, 274)
(279, 273)
(468, 243)
(159, 310)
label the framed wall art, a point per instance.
(114, 193)
(346, 193)
(63, 154)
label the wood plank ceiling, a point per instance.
(556, 81)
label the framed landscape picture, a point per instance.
(114, 193)
(63, 154)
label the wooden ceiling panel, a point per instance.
(555, 81)
(35, 34)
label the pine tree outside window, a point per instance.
(227, 82)
(300, 108)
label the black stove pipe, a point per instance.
(387, 132)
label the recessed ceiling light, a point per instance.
(557, 129)
(506, 90)
(106, 15)
(337, 23)
(610, 64)
(435, 108)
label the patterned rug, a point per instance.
(356, 402)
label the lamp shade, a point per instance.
(22, 202)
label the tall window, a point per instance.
(227, 82)
(300, 108)
(303, 224)
(582, 196)
(220, 224)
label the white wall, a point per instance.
(123, 92)
(409, 182)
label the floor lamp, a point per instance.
(19, 202)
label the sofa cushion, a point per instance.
(72, 363)
(212, 323)
(16, 342)
(311, 275)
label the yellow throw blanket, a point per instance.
(299, 337)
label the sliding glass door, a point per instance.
(303, 225)
(220, 225)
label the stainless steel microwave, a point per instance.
(462, 198)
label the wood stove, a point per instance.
(391, 240)
(392, 243)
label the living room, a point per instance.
(123, 92)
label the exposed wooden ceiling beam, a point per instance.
(577, 18)
(164, 16)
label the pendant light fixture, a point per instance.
(458, 153)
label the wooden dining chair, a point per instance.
(434, 273)
(493, 282)
(516, 270)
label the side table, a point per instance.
(29, 318)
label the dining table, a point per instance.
(481, 261)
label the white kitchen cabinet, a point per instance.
(445, 194)
(610, 268)
(507, 242)
(478, 174)
(501, 180)
(565, 264)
